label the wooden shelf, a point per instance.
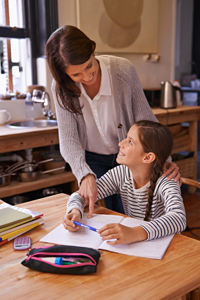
(181, 141)
(186, 167)
(46, 180)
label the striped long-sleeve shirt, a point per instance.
(167, 212)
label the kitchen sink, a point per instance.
(33, 123)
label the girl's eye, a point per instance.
(130, 142)
(75, 75)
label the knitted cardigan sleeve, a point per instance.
(71, 139)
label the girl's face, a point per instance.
(131, 152)
(86, 73)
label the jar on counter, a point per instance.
(29, 107)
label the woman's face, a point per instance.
(86, 73)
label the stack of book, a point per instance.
(15, 221)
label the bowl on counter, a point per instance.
(6, 96)
(57, 162)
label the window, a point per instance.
(25, 26)
(14, 48)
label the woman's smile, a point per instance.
(90, 79)
(85, 73)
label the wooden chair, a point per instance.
(190, 182)
(101, 202)
(195, 294)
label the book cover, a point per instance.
(14, 236)
(9, 216)
(20, 229)
(33, 214)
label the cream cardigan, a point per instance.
(130, 104)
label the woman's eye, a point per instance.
(75, 75)
(89, 66)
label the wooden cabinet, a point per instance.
(185, 139)
(20, 139)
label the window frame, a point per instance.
(40, 19)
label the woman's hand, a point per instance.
(88, 190)
(122, 234)
(173, 170)
(74, 215)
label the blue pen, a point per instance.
(86, 226)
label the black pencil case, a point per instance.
(77, 260)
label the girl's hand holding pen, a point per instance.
(68, 219)
(122, 234)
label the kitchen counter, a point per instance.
(177, 115)
(12, 139)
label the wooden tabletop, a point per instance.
(118, 276)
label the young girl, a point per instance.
(145, 193)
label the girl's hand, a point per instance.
(122, 234)
(74, 215)
(88, 190)
(173, 170)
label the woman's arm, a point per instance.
(71, 129)
(107, 185)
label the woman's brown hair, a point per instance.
(67, 46)
(157, 138)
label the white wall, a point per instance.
(150, 73)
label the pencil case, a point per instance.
(61, 259)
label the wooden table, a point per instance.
(118, 276)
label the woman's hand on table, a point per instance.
(88, 190)
(172, 170)
(74, 215)
(121, 234)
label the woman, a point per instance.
(97, 100)
(145, 193)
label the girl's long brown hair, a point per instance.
(67, 46)
(157, 138)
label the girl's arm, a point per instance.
(108, 184)
(120, 234)
(174, 219)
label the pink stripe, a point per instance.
(34, 256)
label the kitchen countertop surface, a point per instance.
(12, 139)
(5, 131)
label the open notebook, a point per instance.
(88, 238)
